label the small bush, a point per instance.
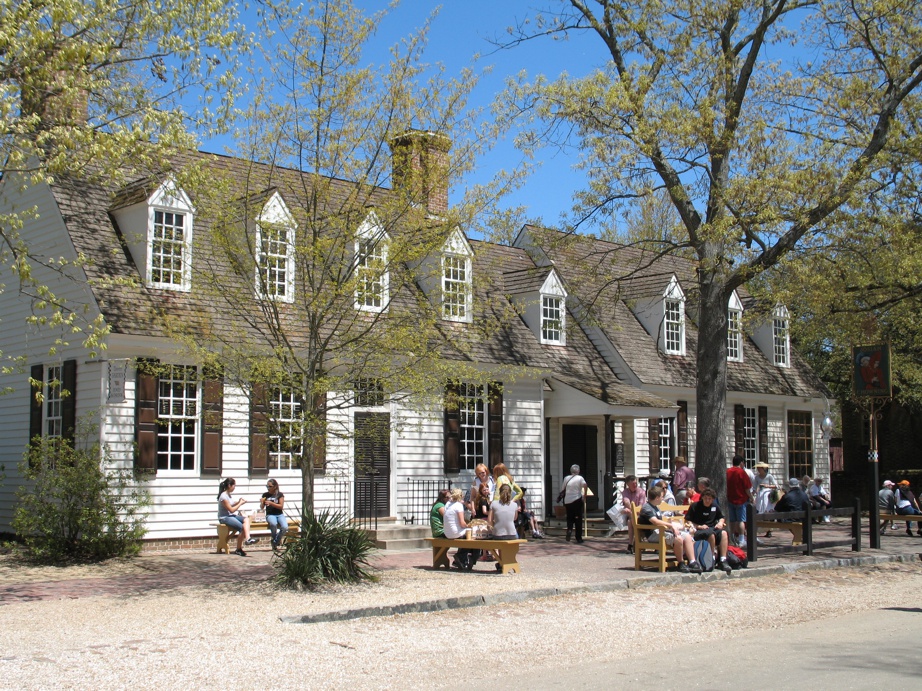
(72, 507)
(330, 549)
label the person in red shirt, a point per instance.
(739, 491)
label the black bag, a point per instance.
(563, 492)
(734, 560)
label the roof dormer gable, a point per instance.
(157, 228)
(275, 250)
(372, 277)
(735, 328)
(456, 278)
(663, 316)
(773, 337)
(541, 300)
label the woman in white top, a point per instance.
(763, 486)
(481, 477)
(503, 514)
(455, 528)
(573, 487)
(227, 514)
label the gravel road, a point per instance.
(230, 634)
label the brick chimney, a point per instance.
(55, 97)
(420, 168)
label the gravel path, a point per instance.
(197, 636)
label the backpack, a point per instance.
(737, 558)
(703, 555)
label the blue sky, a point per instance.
(461, 30)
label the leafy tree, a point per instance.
(348, 313)
(87, 86)
(768, 124)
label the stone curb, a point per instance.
(651, 581)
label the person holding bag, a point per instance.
(573, 488)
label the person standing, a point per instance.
(632, 492)
(739, 489)
(574, 486)
(273, 502)
(501, 476)
(683, 479)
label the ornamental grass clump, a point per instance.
(330, 549)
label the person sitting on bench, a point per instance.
(795, 499)
(681, 541)
(709, 524)
(228, 514)
(455, 528)
(906, 505)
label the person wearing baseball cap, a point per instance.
(906, 505)
(886, 502)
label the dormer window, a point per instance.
(275, 239)
(372, 279)
(781, 336)
(170, 238)
(674, 319)
(735, 329)
(456, 279)
(553, 311)
(551, 319)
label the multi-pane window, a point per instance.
(800, 443)
(665, 441)
(734, 336)
(675, 327)
(369, 392)
(177, 412)
(54, 420)
(168, 248)
(273, 261)
(750, 437)
(781, 340)
(551, 319)
(285, 444)
(472, 415)
(455, 287)
(371, 275)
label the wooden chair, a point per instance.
(663, 551)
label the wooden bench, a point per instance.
(796, 529)
(901, 518)
(504, 551)
(225, 532)
(664, 555)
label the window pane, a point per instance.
(177, 408)
(167, 248)
(800, 443)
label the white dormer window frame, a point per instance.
(781, 336)
(169, 238)
(275, 251)
(457, 279)
(553, 312)
(735, 329)
(674, 319)
(372, 279)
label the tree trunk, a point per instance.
(711, 437)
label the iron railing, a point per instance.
(418, 497)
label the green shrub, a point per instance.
(330, 549)
(74, 507)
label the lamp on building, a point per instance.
(826, 425)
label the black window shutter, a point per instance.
(212, 420)
(259, 430)
(682, 428)
(452, 429)
(35, 405)
(763, 434)
(739, 429)
(69, 401)
(145, 418)
(320, 441)
(495, 421)
(653, 431)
